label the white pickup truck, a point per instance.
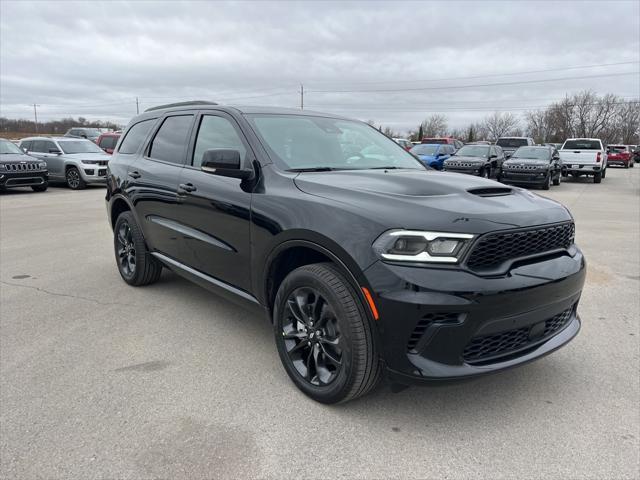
(584, 156)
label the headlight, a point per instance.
(42, 165)
(419, 246)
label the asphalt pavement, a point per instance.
(102, 380)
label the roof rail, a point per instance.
(181, 104)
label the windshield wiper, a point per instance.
(383, 168)
(312, 169)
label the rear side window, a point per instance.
(135, 136)
(582, 145)
(170, 143)
(216, 132)
(43, 146)
(108, 142)
(26, 145)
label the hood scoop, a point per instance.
(491, 191)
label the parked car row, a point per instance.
(519, 161)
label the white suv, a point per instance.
(584, 156)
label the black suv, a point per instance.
(367, 263)
(20, 170)
(539, 166)
(475, 159)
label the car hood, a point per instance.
(414, 199)
(464, 158)
(17, 158)
(87, 156)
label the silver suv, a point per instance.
(75, 161)
(83, 132)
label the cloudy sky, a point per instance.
(394, 63)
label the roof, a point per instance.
(153, 112)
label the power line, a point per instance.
(477, 85)
(489, 75)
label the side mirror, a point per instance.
(224, 162)
(55, 150)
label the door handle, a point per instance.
(134, 175)
(187, 187)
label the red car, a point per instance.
(444, 141)
(108, 141)
(620, 155)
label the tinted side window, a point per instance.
(170, 143)
(43, 146)
(135, 136)
(26, 145)
(216, 132)
(108, 142)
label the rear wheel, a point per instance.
(40, 188)
(74, 179)
(604, 173)
(597, 178)
(631, 162)
(626, 164)
(136, 265)
(323, 335)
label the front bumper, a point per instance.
(528, 177)
(93, 173)
(449, 324)
(474, 170)
(23, 179)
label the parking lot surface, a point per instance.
(102, 380)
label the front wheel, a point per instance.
(557, 179)
(547, 183)
(74, 179)
(486, 172)
(323, 335)
(136, 265)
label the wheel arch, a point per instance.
(291, 254)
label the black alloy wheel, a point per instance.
(126, 250)
(135, 263)
(557, 179)
(325, 338)
(547, 182)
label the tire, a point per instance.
(558, 179)
(626, 165)
(486, 172)
(547, 183)
(40, 188)
(135, 263)
(325, 371)
(597, 178)
(631, 163)
(74, 179)
(604, 173)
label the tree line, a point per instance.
(583, 115)
(52, 126)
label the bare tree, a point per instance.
(435, 126)
(499, 124)
(539, 125)
(628, 119)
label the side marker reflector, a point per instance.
(372, 305)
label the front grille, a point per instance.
(500, 344)
(521, 167)
(493, 249)
(426, 321)
(21, 167)
(462, 164)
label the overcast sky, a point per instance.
(394, 63)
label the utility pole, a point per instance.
(137, 107)
(35, 114)
(301, 97)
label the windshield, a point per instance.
(7, 147)
(511, 142)
(531, 153)
(582, 145)
(473, 151)
(303, 142)
(79, 146)
(425, 149)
